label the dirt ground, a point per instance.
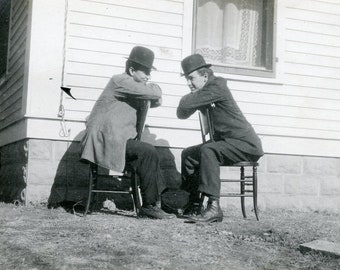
(36, 237)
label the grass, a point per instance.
(39, 238)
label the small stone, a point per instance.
(322, 246)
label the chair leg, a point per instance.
(242, 183)
(92, 181)
(255, 192)
(135, 193)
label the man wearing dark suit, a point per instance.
(111, 129)
(234, 138)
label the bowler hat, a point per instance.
(142, 56)
(192, 63)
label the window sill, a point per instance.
(244, 78)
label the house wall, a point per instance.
(12, 86)
(295, 113)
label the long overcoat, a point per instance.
(230, 125)
(113, 120)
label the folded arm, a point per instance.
(127, 87)
(212, 92)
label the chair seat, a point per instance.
(245, 164)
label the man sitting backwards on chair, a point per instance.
(234, 138)
(112, 127)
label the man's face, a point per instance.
(196, 81)
(139, 75)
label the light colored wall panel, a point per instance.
(308, 81)
(165, 16)
(302, 105)
(177, 137)
(319, 7)
(11, 90)
(314, 71)
(285, 100)
(313, 60)
(112, 22)
(108, 46)
(299, 24)
(110, 34)
(315, 38)
(159, 5)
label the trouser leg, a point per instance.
(212, 156)
(190, 171)
(210, 160)
(146, 162)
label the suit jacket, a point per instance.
(229, 122)
(113, 120)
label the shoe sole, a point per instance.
(192, 220)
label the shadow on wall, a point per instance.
(70, 185)
(71, 181)
(171, 176)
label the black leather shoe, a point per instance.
(213, 213)
(193, 210)
(155, 212)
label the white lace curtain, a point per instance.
(230, 31)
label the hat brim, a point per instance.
(207, 65)
(154, 68)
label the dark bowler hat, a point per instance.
(192, 63)
(142, 56)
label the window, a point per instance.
(236, 36)
(5, 6)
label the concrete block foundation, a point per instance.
(40, 171)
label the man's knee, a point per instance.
(207, 151)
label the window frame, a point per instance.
(243, 71)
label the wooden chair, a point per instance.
(248, 183)
(129, 172)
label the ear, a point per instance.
(205, 77)
(131, 70)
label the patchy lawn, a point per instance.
(41, 238)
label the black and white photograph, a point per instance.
(169, 134)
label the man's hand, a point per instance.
(156, 103)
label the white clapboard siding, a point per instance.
(311, 81)
(313, 49)
(151, 10)
(315, 71)
(313, 27)
(100, 33)
(289, 101)
(287, 91)
(81, 59)
(12, 91)
(110, 22)
(305, 104)
(77, 65)
(314, 60)
(314, 11)
(314, 38)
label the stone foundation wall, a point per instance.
(303, 183)
(43, 170)
(13, 172)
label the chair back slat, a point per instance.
(141, 117)
(206, 124)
